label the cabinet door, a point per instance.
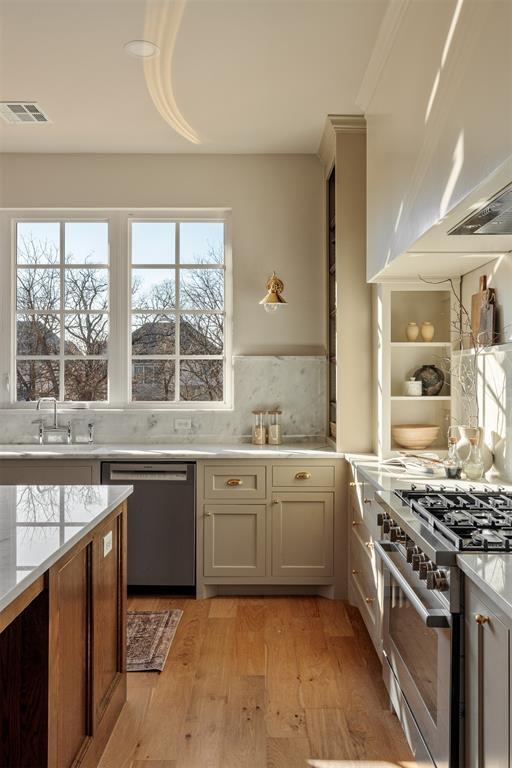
(234, 540)
(487, 686)
(70, 694)
(302, 534)
(109, 612)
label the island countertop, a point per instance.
(39, 524)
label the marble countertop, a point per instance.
(493, 575)
(191, 451)
(40, 523)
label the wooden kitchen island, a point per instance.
(62, 622)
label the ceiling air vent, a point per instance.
(22, 112)
(493, 218)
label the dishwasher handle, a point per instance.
(152, 472)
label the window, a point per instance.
(177, 311)
(62, 310)
(116, 308)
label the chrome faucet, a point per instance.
(54, 428)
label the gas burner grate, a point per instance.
(473, 521)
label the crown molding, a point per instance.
(388, 29)
(347, 123)
(335, 124)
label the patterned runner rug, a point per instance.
(149, 638)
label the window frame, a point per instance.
(119, 306)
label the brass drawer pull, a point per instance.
(481, 619)
(355, 522)
(303, 476)
(233, 482)
(369, 600)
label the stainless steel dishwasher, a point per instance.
(161, 521)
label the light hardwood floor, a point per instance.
(278, 682)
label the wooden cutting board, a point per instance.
(483, 314)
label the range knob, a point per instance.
(411, 551)
(381, 516)
(426, 567)
(396, 533)
(437, 580)
(417, 559)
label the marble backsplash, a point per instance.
(297, 384)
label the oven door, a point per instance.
(417, 644)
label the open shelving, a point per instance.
(399, 359)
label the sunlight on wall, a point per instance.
(162, 24)
(444, 56)
(458, 162)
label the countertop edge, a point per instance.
(467, 566)
(19, 589)
(191, 451)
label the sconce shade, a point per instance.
(273, 298)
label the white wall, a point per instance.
(439, 116)
(277, 223)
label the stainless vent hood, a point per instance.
(493, 218)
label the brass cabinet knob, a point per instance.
(356, 522)
(354, 572)
(208, 514)
(366, 500)
(369, 544)
(303, 475)
(234, 481)
(481, 619)
(369, 600)
(276, 501)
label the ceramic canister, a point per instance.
(412, 388)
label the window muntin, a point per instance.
(62, 310)
(177, 311)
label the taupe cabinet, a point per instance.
(488, 682)
(269, 523)
(365, 578)
(49, 472)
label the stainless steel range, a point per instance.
(423, 530)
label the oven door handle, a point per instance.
(432, 617)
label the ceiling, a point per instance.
(246, 75)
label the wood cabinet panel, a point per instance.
(70, 660)
(108, 612)
(234, 540)
(302, 534)
(235, 482)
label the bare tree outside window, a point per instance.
(62, 320)
(178, 313)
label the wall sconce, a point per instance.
(273, 299)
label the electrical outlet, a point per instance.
(183, 424)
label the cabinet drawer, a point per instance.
(301, 476)
(234, 482)
(364, 587)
